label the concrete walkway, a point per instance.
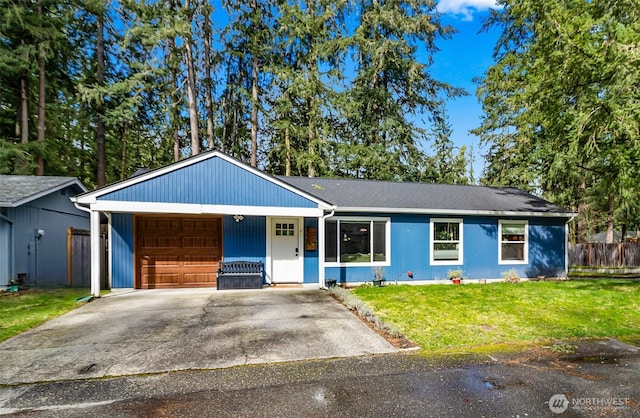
(149, 331)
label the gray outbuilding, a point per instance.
(35, 217)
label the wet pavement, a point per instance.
(575, 379)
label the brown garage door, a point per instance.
(177, 251)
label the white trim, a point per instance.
(199, 209)
(460, 260)
(566, 249)
(110, 251)
(95, 253)
(526, 242)
(455, 212)
(387, 222)
(91, 197)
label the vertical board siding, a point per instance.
(245, 240)
(410, 251)
(44, 261)
(311, 265)
(122, 250)
(6, 252)
(213, 181)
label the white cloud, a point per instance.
(466, 8)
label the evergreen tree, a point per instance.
(561, 107)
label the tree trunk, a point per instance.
(24, 110)
(42, 60)
(254, 112)
(123, 156)
(312, 137)
(174, 113)
(100, 134)
(209, 82)
(581, 233)
(287, 156)
(610, 220)
(191, 90)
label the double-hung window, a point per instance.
(446, 241)
(513, 241)
(357, 241)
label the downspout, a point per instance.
(321, 247)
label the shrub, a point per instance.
(511, 276)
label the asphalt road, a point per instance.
(599, 379)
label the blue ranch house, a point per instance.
(171, 227)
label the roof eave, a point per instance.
(46, 192)
(461, 212)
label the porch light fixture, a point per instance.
(238, 218)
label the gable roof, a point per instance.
(356, 195)
(145, 175)
(18, 190)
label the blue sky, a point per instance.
(466, 56)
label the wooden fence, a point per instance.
(624, 254)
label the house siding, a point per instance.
(6, 250)
(211, 182)
(311, 264)
(122, 272)
(245, 240)
(44, 261)
(410, 250)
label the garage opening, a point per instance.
(175, 251)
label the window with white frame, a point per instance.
(446, 241)
(513, 241)
(357, 241)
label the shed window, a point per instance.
(446, 241)
(514, 242)
(357, 241)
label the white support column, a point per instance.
(95, 253)
(566, 249)
(321, 252)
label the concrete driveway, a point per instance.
(150, 331)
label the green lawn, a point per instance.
(479, 317)
(27, 309)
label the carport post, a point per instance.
(95, 253)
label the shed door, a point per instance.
(177, 251)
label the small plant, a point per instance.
(511, 276)
(378, 275)
(454, 274)
(563, 348)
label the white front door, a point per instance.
(286, 251)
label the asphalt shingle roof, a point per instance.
(353, 193)
(15, 190)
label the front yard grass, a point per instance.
(480, 318)
(29, 308)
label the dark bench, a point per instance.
(240, 275)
